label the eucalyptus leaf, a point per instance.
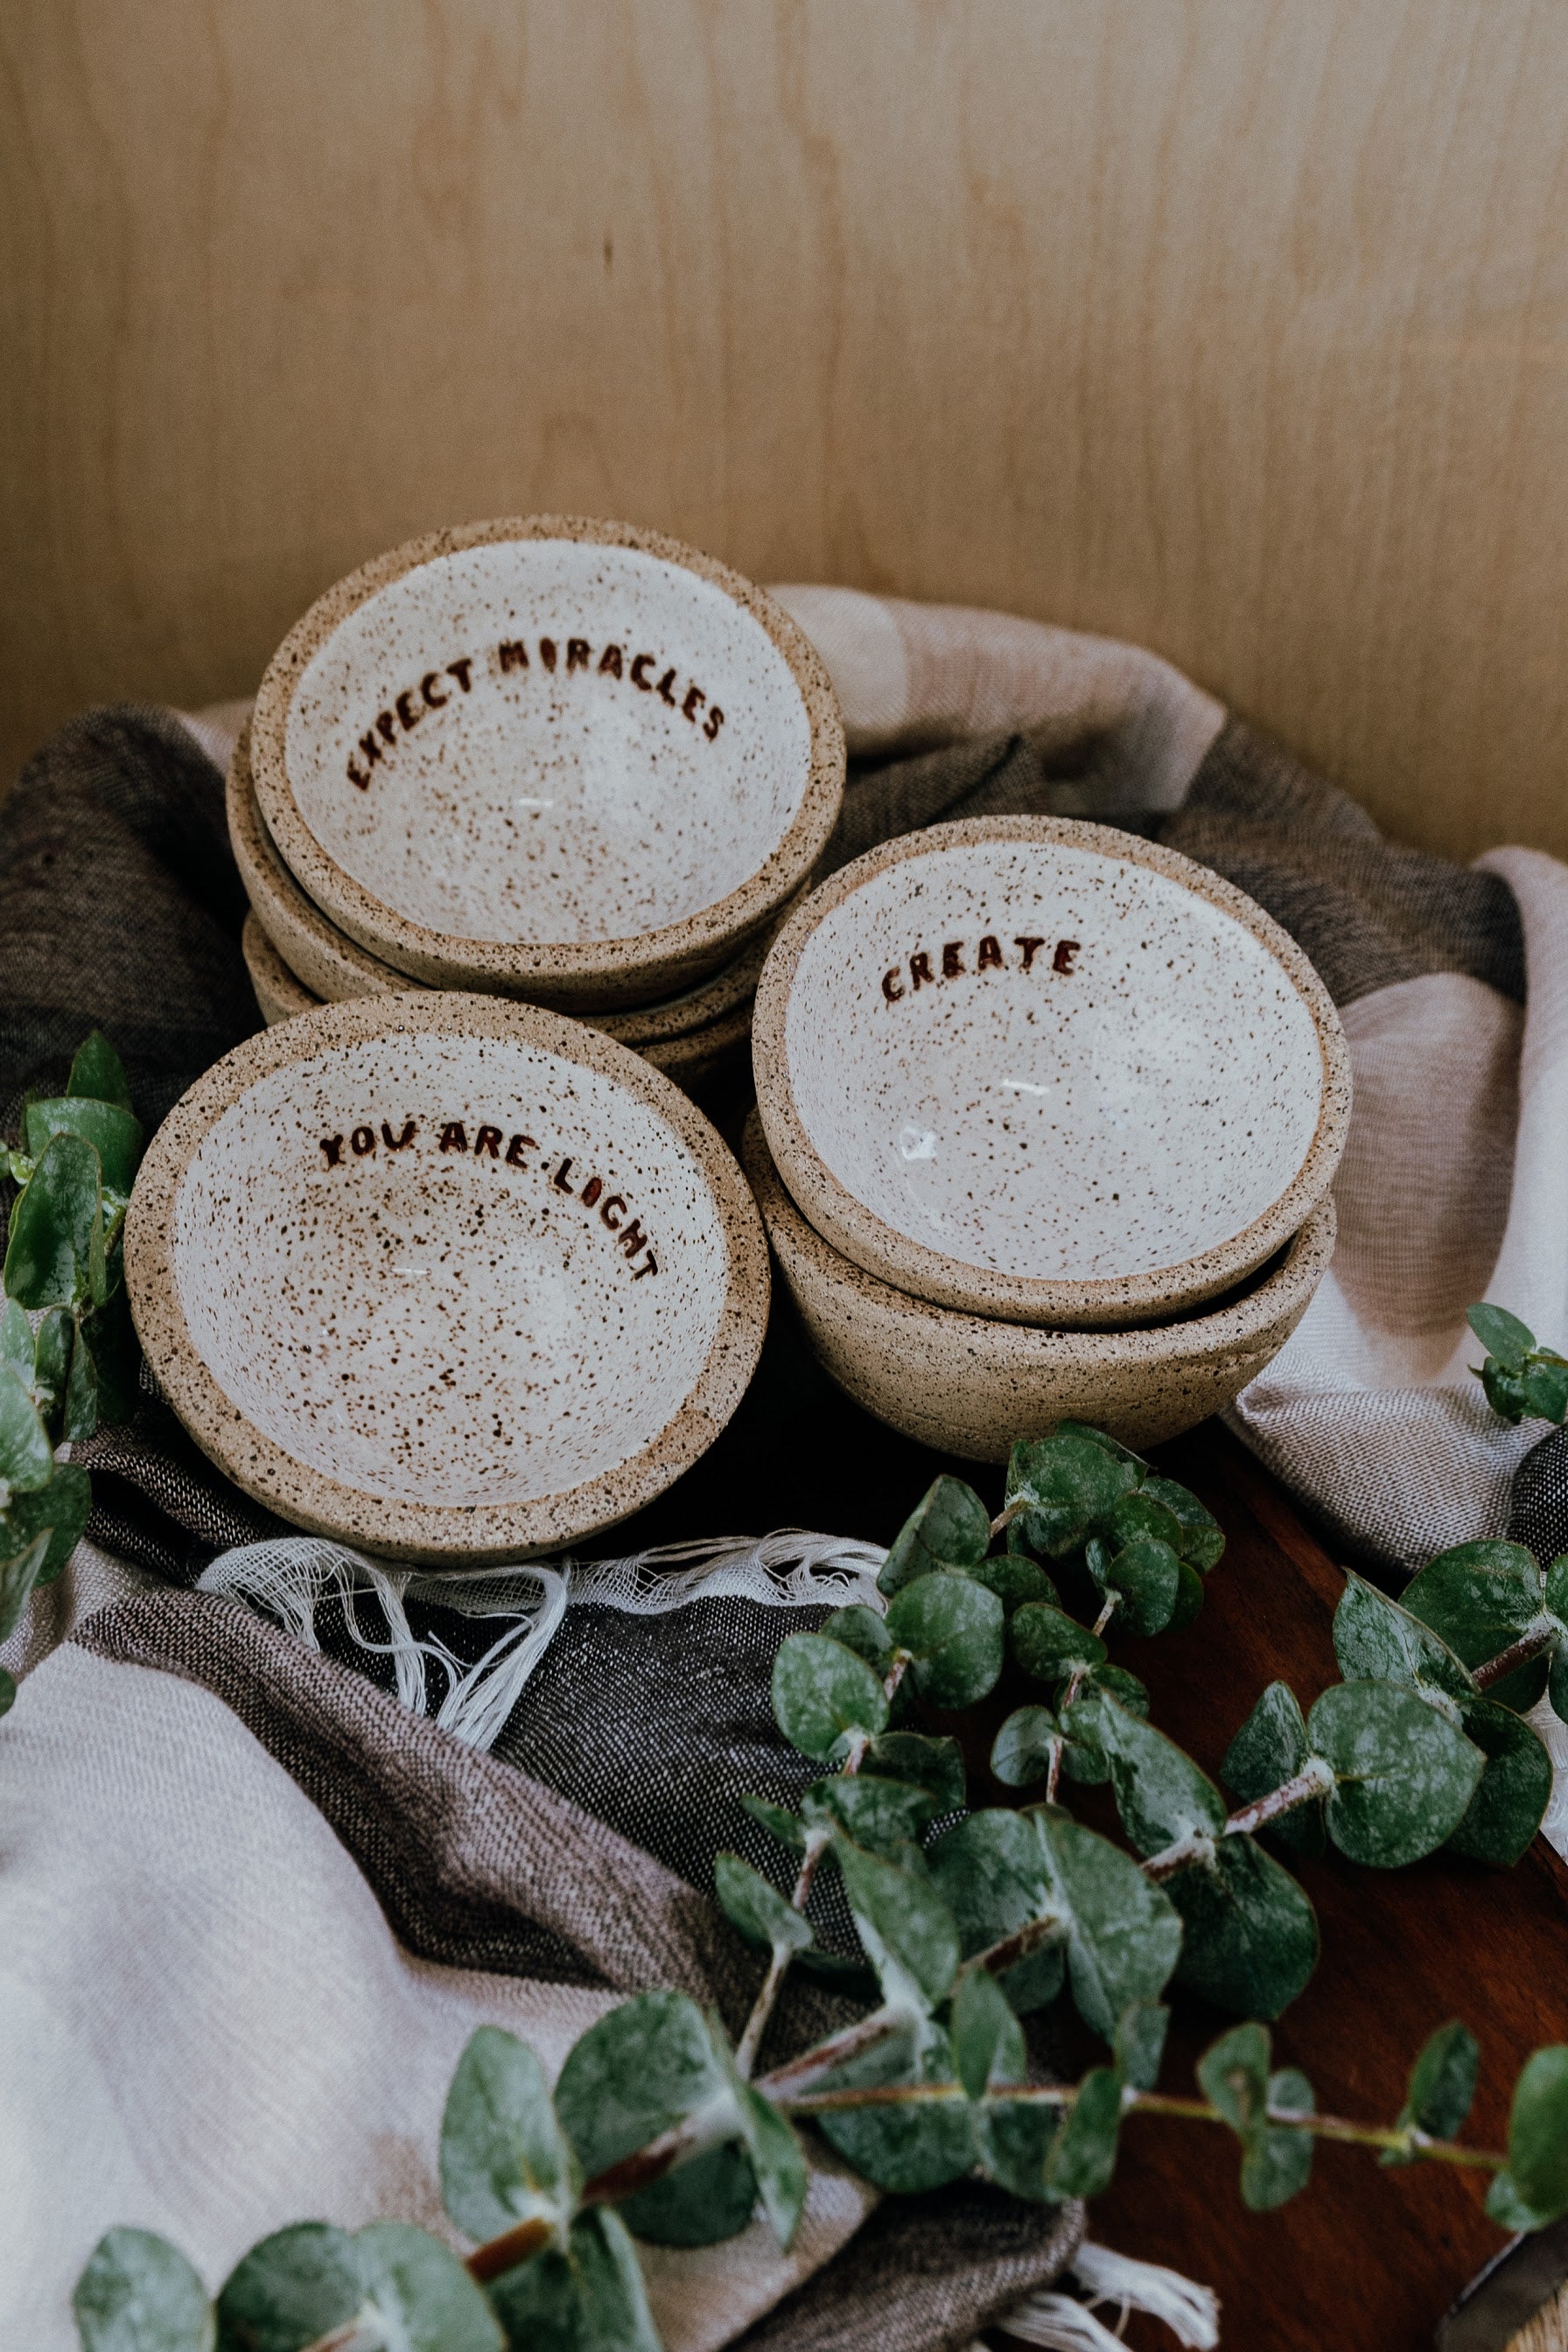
(116, 1356)
(297, 2285)
(48, 1259)
(905, 2148)
(1049, 1645)
(1502, 1335)
(1189, 1597)
(1442, 2086)
(908, 1933)
(504, 2157)
(1104, 1440)
(949, 1527)
(139, 2293)
(1123, 1936)
(756, 1908)
(778, 1822)
(935, 1765)
(874, 1812)
(17, 1354)
(1022, 1750)
(26, 1457)
(1251, 1939)
(1233, 2075)
(1377, 1640)
(1546, 1385)
(1140, 1515)
(1404, 1776)
(823, 1692)
(1139, 2042)
(640, 2069)
(1146, 1575)
(1083, 2157)
(420, 2294)
(18, 1575)
(991, 1872)
(51, 1362)
(1534, 2189)
(777, 2161)
(1277, 2165)
(1201, 1540)
(114, 1134)
(1269, 1749)
(1014, 1579)
(1014, 2138)
(862, 1630)
(1479, 1598)
(1160, 1794)
(80, 1418)
(1515, 1786)
(1505, 1393)
(591, 2298)
(988, 2039)
(952, 1627)
(1069, 1484)
(99, 1073)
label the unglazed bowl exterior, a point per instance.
(450, 1278)
(1042, 1070)
(565, 760)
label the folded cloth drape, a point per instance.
(244, 2001)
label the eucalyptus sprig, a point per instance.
(1519, 1377)
(967, 1923)
(75, 1364)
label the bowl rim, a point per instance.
(286, 915)
(856, 1231)
(573, 973)
(1204, 1334)
(436, 1533)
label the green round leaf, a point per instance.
(1124, 1934)
(1377, 1640)
(1404, 1775)
(1277, 2165)
(504, 2157)
(1510, 1802)
(114, 1133)
(1147, 1576)
(785, 1826)
(1014, 2138)
(987, 2040)
(292, 2287)
(873, 1811)
(26, 1457)
(906, 1928)
(823, 1692)
(1051, 1646)
(952, 1629)
(760, 1912)
(1189, 1597)
(1069, 1484)
(1083, 2157)
(902, 2149)
(99, 1073)
(61, 1509)
(1502, 1335)
(777, 2159)
(1538, 2134)
(991, 1871)
(1442, 2085)
(1141, 1514)
(1139, 2042)
(592, 2298)
(18, 1575)
(949, 1527)
(139, 2293)
(861, 1630)
(1014, 1579)
(16, 1342)
(1233, 2075)
(1201, 1540)
(935, 1765)
(1022, 1750)
(421, 2293)
(1545, 1387)
(1269, 1749)
(1160, 1794)
(47, 1263)
(1504, 1394)
(1479, 1598)
(640, 2069)
(1251, 1935)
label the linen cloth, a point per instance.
(273, 1882)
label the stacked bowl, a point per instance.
(1047, 1117)
(566, 761)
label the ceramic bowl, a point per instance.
(454, 1279)
(556, 758)
(1039, 1069)
(688, 1058)
(336, 969)
(968, 1384)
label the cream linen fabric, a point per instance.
(211, 2031)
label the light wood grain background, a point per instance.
(1238, 327)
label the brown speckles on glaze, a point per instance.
(969, 1385)
(451, 862)
(1043, 1070)
(444, 1354)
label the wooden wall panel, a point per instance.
(1238, 327)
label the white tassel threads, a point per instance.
(1061, 2323)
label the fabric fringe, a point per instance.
(288, 1578)
(1061, 2323)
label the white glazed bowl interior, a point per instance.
(1048, 1063)
(457, 1326)
(559, 740)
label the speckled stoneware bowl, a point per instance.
(336, 969)
(968, 1384)
(1039, 1069)
(564, 759)
(688, 1058)
(451, 1278)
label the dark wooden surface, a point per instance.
(1367, 2260)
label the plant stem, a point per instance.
(1113, 1604)
(503, 2254)
(1076, 1681)
(1315, 1779)
(1530, 1644)
(1011, 1511)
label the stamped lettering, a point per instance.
(957, 960)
